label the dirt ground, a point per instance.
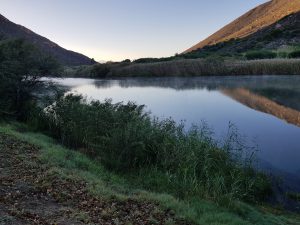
(29, 195)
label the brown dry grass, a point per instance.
(202, 67)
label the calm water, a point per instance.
(266, 110)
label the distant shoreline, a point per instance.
(188, 68)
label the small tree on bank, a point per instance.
(21, 67)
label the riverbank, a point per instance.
(70, 187)
(188, 67)
(44, 183)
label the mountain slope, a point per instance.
(251, 22)
(9, 29)
(282, 36)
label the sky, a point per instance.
(113, 30)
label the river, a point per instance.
(264, 109)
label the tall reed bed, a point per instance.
(206, 67)
(158, 154)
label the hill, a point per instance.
(281, 38)
(252, 22)
(9, 29)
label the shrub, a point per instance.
(295, 54)
(260, 55)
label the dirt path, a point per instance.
(29, 195)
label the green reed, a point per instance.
(157, 154)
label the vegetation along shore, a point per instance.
(188, 67)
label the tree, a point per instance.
(93, 61)
(100, 70)
(21, 67)
(126, 61)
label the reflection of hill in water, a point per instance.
(264, 104)
(284, 90)
(286, 97)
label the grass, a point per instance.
(107, 184)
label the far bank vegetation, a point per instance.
(191, 67)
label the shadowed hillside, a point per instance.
(251, 22)
(9, 29)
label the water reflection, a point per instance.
(264, 104)
(277, 95)
(266, 109)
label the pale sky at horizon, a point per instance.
(121, 29)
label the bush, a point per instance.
(126, 139)
(295, 54)
(260, 55)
